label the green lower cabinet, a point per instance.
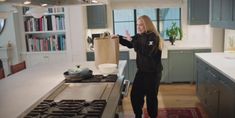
(181, 65)
(133, 70)
(165, 71)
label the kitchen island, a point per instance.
(21, 91)
(216, 83)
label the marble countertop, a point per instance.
(222, 62)
(23, 89)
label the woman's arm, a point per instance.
(125, 42)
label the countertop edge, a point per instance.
(216, 68)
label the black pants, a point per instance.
(145, 84)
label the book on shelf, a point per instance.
(51, 43)
(45, 23)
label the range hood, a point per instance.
(54, 2)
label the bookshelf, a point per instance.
(46, 33)
(44, 39)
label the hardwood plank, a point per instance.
(170, 95)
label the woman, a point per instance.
(147, 45)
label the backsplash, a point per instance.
(229, 40)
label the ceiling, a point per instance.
(53, 2)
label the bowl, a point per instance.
(107, 68)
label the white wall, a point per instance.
(77, 30)
(11, 32)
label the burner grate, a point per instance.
(68, 109)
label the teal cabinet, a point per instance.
(90, 56)
(202, 81)
(227, 98)
(215, 91)
(198, 12)
(195, 63)
(215, 12)
(181, 65)
(223, 14)
(97, 16)
(212, 93)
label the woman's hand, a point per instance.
(128, 36)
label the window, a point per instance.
(124, 20)
(161, 17)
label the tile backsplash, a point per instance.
(229, 40)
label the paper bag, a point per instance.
(106, 50)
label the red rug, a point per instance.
(176, 113)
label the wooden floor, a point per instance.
(170, 95)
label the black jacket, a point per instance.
(148, 57)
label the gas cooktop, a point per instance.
(94, 78)
(68, 109)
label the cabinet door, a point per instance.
(133, 70)
(213, 93)
(124, 55)
(227, 98)
(90, 56)
(33, 59)
(164, 78)
(201, 81)
(233, 12)
(195, 61)
(215, 11)
(226, 10)
(97, 16)
(180, 65)
(198, 12)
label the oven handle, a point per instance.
(125, 89)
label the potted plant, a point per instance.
(173, 32)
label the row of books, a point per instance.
(45, 23)
(51, 43)
(50, 10)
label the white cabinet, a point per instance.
(36, 58)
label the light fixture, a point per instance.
(27, 2)
(2, 0)
(43, 5)
(94, 1)
(36, 12)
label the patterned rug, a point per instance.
(191, 112)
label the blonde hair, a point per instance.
(149, 27)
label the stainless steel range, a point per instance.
(95, 97)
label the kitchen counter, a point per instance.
(26, 88)
(222, 62)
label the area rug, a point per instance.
(191, 112)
